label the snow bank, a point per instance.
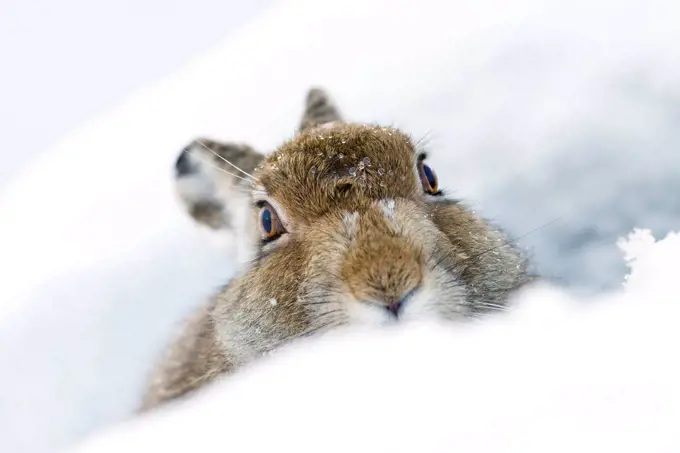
(554, 375)
(534, 110)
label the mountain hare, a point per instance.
(348, 226)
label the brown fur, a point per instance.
(193, 360)
(361, 235)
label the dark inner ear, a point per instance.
(319, 109)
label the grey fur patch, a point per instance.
(207, 181)
(319, 109)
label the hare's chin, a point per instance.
(368, 314)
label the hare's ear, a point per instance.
(212, 180)
(319, 109)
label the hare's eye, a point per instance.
(428, 178)
(270, 225)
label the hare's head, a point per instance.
(348, 226)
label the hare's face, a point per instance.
(348, 226)
(353, 215)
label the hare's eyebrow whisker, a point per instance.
(227, 161)
(215, 166)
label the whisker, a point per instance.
(330, 312)
(476, 315)
(215, 166)
(423, 142)
(332, 323)
(318, 302)
(440, 261)
(490, 305)
(331, 274)
(503, 244)
(224, 159)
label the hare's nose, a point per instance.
(396, 307)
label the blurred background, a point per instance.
(65, 63)
(557, 120)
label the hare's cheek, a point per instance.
(442, 296)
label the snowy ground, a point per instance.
(534, 111)
(555, 375)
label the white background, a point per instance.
(65, 62)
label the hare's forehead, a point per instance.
(345, 151)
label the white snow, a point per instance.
(555, 375)
(533, 110)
